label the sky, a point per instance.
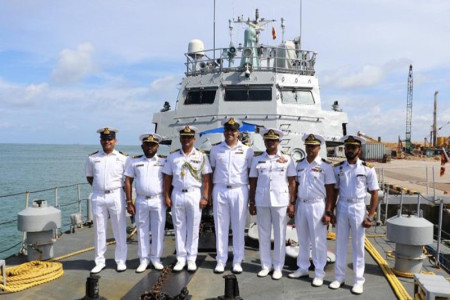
(70, 67)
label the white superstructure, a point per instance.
(264, 86)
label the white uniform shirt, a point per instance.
(354, 180)
(148, 174)
(182, 177)
(272, 188)
(231, 164)
(107, 170)
(312, 177)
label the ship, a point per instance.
(262, 85)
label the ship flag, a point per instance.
(444, 160)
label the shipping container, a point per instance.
(373, 151)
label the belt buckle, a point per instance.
(184, 190)
(229, 186)
(351, 200)
(107, 191)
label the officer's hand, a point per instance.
(366, 223)
(168, 202)
(333, 220)
(326, 219)
(291, 210)
(130, 208)
(203, 203)
(252, 209)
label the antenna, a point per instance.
(214, 32)
(300, 41)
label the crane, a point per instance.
(409, 102)
(359, 133)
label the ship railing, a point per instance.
(69, 199)
(242, 59)
(401, 196)
(245, 116)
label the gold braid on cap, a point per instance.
(106, 131)
(149, 139)
(311, 140)
(187, 129)
(271, 134)
(352, 141)
(231, 121)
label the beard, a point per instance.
(351, 156)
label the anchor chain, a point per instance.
(156, 290)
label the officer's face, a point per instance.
(150, 149)
(187, 141)
(312, 151)
(271, 145)
(231, 136)
(352, 151)
(108, 144)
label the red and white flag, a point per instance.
(444, 160)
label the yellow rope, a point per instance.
(398, 288)
(26, 275)
(29, 274)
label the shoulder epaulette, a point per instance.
(215, 144)
(163, 156)
(123, 153)
(93, 153)
(326, 161)
(300, 160)
(137, 156)
(339, 164)
(284, 152)
(258, 154)
(174, 151)
(369, 165)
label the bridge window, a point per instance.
(198, 96)
(297, 96)
(248, 93)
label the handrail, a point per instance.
(57, 193)
(44, 190)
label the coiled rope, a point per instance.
(37, 272)
(31, 274)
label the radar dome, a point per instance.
(195, 48)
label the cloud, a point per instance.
(167, 83)
(347, 77)
(21, 95)
(74, 65)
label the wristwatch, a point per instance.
(329, 213)
(369, 218)
(206, 198)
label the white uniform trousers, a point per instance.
(112, 204)
(349, 218)
(230, 204)
(186, 216)
(150, 215)
(265, 218)
(310, 230)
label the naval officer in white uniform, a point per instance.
(315, 179)
(231, 161)
(354, 178)
(105, 171)
(272, 187)
(149, 207)
(185, 170)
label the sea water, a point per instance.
(33, 167)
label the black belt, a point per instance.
(184, 190)
(109, 191)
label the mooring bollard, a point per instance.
(92, 288)
(231, 288)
